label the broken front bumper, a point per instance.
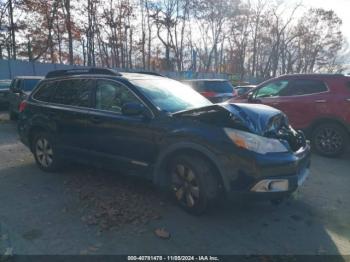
(270, 176)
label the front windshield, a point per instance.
(170, 95)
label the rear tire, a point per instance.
(193, 183)
(329, 139)
(45, 153)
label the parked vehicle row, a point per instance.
(19, 90)
(317, 104)
(197, 150)
(4, 90)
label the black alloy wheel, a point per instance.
(329, 140)
(193, 183)
(44, 153)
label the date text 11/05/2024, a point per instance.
(173, 258)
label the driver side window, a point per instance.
(272, 89)
(111, 96)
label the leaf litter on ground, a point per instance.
(109, 200)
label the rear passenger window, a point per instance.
(74, 92)
(304, 87)
(45, 91)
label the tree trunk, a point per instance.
(12, 30)
(69, 30)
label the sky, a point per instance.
(341, 8)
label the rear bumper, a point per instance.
(269, 176)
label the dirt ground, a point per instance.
(87, 211)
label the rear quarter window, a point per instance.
(304, 87)
(74, 92)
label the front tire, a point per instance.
(329, 139)
(45, 153)
(193, 183)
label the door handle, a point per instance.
(348, 99)
(96, 120)
(320, 101)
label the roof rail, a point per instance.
(148, 73)
(315, 74)
(82, 71)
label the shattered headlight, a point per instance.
(252, 142)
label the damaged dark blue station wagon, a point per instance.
(168, 132)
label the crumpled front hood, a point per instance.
(255, 118)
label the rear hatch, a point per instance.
(216, 91)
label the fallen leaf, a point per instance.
(4, 237)
(321, 250)
(83, 252)
(162, 233)
(8, 251)
(93, 249)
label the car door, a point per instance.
(117, 137)
(69, 110)
(304, 101)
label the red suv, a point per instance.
(319, 104)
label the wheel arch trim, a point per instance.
(329, 119)
(40, 128)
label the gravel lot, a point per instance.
(87, 211)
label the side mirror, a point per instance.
(135, 109)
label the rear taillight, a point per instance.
(22, 106)
(208, 94)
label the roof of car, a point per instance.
(121, 75)
(141, 76)
(205, 80)
(311, 75)
(246, 86)
(101, 72)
